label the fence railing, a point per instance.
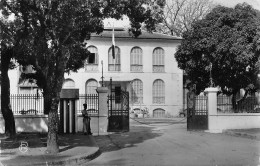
(92, 103)
(247, 105)
(201, 103)
(26, 104)
(224, 104)
(32, 104)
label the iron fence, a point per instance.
(118, 105)
(248, 105)
(201, 104)
(92, 103)
(32, 104)
(224, 103)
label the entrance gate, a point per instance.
(197, 112)
(118, 111)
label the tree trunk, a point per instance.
(5, 97)
(47, 101)
(234, 100)
(53, 125)
(51, 90)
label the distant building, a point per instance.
(143, 66)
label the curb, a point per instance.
(75, 159)
(72, 160)
(241, 134)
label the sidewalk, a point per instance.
(245, 133)
(74, 149)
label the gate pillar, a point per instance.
(212, 109)
(102, 110)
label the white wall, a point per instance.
(27, 123)
(14, 78)
(39, 123)
(172, 76)
(218, 122)
(221, 122)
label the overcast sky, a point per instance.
(229, 3)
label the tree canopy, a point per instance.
(227, 38)
(54, 35)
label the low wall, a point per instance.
(28, 123)
(39, 123)
(219, 122)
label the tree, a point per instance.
(56, 34)
(178, 15)
(227, 38)
(10, 39)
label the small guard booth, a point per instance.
(68, 110)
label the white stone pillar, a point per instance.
(102, 110)
(65, 105)
(212, 110)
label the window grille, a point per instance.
(158, 92)
(137, 91)
(91, 86)
(158, 113)
(136, 58)
(158, 60)
(68, 83)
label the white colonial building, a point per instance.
(143, 66)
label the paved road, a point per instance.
(171, 144)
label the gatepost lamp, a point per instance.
(210, 75)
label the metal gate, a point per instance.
(197, 112)
(118, 111)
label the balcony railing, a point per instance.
(91, 67)
(136, 68)
(158, 68)
(114, 67)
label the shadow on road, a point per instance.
(117, 141)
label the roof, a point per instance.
(124, 34)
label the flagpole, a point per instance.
(114, 45)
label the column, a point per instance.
(102, 110)
(212, 110)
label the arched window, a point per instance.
(91, 86)
(68, 83)
(158, 92)
(137, 91)
(92, 61)
(136, 57)
(158, 113)
(114, 62)
(158, 60)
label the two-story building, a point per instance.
(143, 66)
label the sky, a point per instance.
(229, 3)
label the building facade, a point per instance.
(143, 66)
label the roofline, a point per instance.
(136, 38)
